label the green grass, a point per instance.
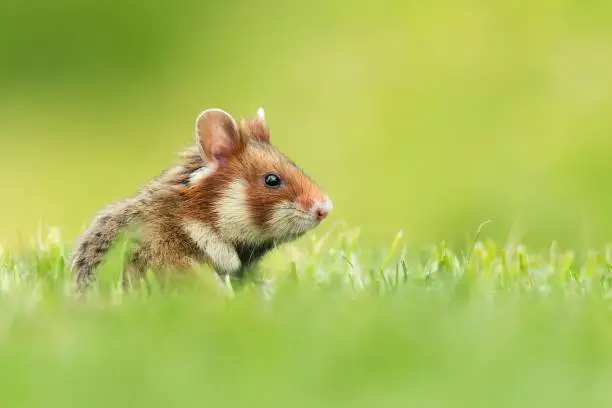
(490, 325)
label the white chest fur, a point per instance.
(221, 254)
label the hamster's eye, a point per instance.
(272, 180)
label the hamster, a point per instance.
(229, 199)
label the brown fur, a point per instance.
(158, 212)
(265, 158)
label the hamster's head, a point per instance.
(248, 190)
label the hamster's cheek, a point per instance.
(283, 217)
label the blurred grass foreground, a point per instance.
(335, 326)
(430, 117)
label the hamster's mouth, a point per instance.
(291, 222)
(297, 228)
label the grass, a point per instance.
(338, 326)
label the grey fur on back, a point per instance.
(152, 205)
(92, 245)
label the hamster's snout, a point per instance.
(322, 209)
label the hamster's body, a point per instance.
(227, 202)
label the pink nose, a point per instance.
(322, 209)
(321, 213)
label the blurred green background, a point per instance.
(430, 117)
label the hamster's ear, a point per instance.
(218, 136)
(256, 128)
(261, 115)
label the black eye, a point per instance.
(272, 180)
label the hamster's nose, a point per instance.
(323, 208)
